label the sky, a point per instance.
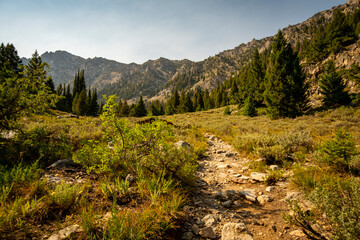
(138, 30)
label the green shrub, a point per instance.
(227, 110)
(339, 152)
(125, 147)
(19, 174)
(340, 202)
(34, 145)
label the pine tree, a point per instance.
(140, 108)
(249, 106)
(286, 91)
(256, 78)
(333, 87)
(80, 106)
(125, 109)
(9, 61)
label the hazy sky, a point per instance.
(138, 30)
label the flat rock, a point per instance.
(258, 176)
(223, 166)
(274, 167)
(235, 231)
(66, 232)
(248, 194)
(263, 199)
(269, 188)
(297, 233)
(62, 164)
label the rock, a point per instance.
(187, 236)
(297, 233)
(210, 143)
(220, 152)
(235, 231)
(274, 167)
(182, 144)
(269, 188)
(245, 177)
(245, 169)
(59, 117)
(231, 194)
(220, 196)
(258, 176)
(229, 154)
(227, 204)
(195, 229)
(248, 194)
(207, 232)
(210, 220)
(66, 232)
(263, 199)
(291, 196)
(130, 178)
(223, 166)
(64, 163)
(208, 135)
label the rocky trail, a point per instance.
(230, 203)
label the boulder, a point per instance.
(235, 231)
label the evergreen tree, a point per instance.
(125, 109)
(37, 69)
(182, 108)
(208, 103)
(10, 62)
(286, 91)
(198, 101)
(339, 32)
(80, 106)
(21, 93)
(333, 87)
(119, 106)
(249, 106)
(79, 82)
(140, 108)
(256, 77)
(94, 105)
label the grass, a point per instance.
(164, 174)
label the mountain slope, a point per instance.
(156, 78)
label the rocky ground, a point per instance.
(230, 203)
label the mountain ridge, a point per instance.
(154, 79)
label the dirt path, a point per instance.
(227, 194)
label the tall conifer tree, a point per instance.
(286, 91)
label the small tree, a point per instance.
(332, 87)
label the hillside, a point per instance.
(154, 79)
